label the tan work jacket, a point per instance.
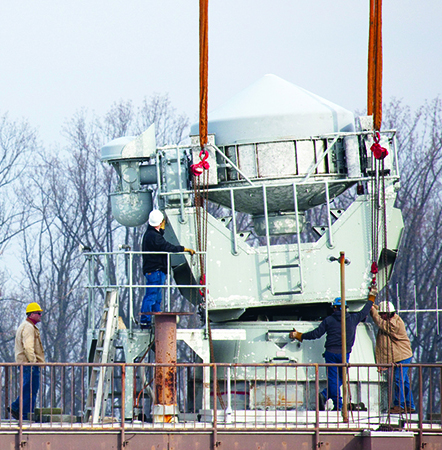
(392, 343)
(28, 346)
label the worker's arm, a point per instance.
(389, 327)
(189, 250)
(316, 333)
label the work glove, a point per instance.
(373, 293)
(189, 250)
(295, 335)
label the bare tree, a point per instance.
(67, 196)
(18, 142)
(418, 270)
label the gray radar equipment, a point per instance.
(131, 201)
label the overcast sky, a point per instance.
(62, 55)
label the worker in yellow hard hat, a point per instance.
(28, 349)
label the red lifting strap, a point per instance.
(374, 271)
(378, 151)
(202, 282)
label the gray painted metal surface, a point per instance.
(275, 152)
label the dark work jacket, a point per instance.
(332, 326)
(153, 241)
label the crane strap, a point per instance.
(374, 91)
(204, 70)
(201, 168)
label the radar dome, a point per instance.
(272, 108)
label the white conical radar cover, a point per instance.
(272, 108)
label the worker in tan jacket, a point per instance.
(28, 349)
(393, 346)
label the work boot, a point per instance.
(396, 410)
(13, 413)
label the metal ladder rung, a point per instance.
(298, 291)
(284, 266)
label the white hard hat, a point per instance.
(155, 218)
(386, 307)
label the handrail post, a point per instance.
(131, 304)
(317, 437)
(343, 340)
(123, 401)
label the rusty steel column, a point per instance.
(165, 408)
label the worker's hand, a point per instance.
(295, 335)
(373, 309)
(373, 293)
(189, 250)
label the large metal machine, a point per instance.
(289, 187)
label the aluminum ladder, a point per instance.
(100, 377)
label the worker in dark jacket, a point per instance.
(331, 326)
(155, 264)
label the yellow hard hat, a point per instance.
(33, 307)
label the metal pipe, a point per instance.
(123, 413)
(178, 160)
(437, 308)
(421, 407)
(415, 315)
(343, 340)
(317, 406)
(330, 231)
(232, 207)
(298, 238)
(131, 300)
(266, 220)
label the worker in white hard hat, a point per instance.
(393, 346)
(28, 349)
(155, 264)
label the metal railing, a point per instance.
(248, 397)
(121, 270)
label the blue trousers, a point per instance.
(31, 383)
(334, 379)
(153, 296)
(402, 391)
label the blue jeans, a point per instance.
(153, 296)
(334, 379)
(31, 383)
(402, 391)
